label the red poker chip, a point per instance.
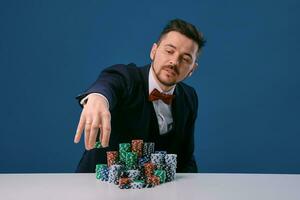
(112, 157)
(137, 146)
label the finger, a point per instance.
(94, 131)
(80, 127)
(100, 134)
(87, 130)
(105, 129)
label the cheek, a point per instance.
(158, 64)
(160, 58)
(183, 73)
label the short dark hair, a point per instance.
(185, 28)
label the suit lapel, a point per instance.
(178, 112)
(145, 76)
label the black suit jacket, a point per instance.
(133, 116)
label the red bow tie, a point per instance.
(156, 95)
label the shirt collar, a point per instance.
(153, 83)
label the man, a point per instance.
(150, 103)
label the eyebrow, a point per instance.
(171, 45)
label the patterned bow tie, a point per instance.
(156, 95)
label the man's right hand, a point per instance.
(94, 116)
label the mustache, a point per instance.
(171, 67)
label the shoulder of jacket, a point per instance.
(124, 67)
(125, 70)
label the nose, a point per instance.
(174, 61)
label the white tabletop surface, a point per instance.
(186, 186)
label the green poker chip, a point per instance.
(100, 167)
(131, 160)
(123, 149)
(161, 174)
(97, 145)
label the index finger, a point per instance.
(80, 128)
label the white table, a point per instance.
(186, 186)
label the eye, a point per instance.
(186, 59)
(169, 51)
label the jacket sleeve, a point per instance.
(113, 83)
(190, 165)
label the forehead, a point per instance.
(180, 42)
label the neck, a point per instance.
(164, 88)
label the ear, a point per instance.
(193, 69)
(153, 51)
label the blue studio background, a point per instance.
(247, 81)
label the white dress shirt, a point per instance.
(163, 111)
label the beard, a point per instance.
(159, 75)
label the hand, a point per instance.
(94, 116)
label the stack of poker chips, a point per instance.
(112, 158)
(137, 147)
(149, 169)
(114, 173)
(153, 181)
(170, 166)
(161, 174)
(148, 149)
(102, 172)
(158, 158)
(124, 183)
(137, 184)
(133, 174)
(123, 149)
(131, 160)
(136, 165)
